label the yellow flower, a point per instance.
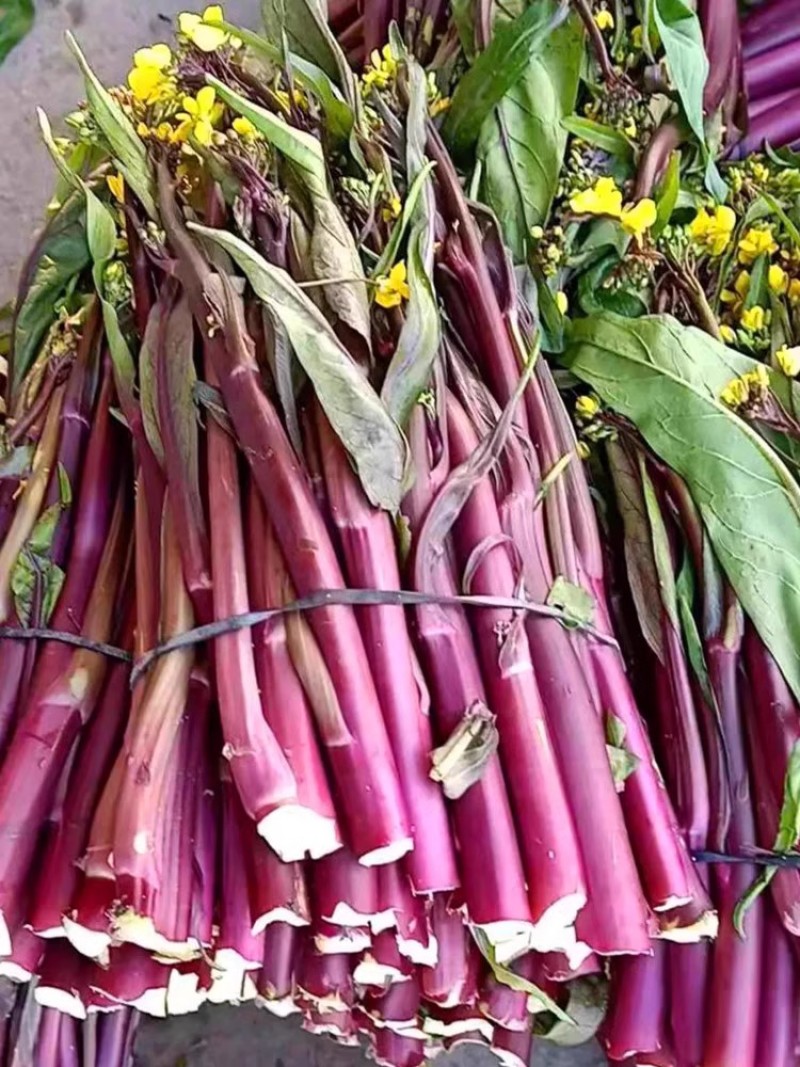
(584, 451)
(794, 290)
(636, 36)
(245, 128)
(788, 360)
(753, 319)
(562, 303)
(604, 198)
(298, 97)
(604, 20)
(778, 279)
(148, 78)
(735, 393)
(392, 208)
(200, 115)
(712, 230)
(382, 69)
(439, 105)
(638, 218)
(208, 38)
(586, 407)
(727, 333)
(737, 296)
(630, 130)
(392, 288)
(755, 243)
(116, 183)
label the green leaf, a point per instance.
(601, 136)
(759, 290)
(586, 1005)
(682, 37)
(623, 763)
(465, 25)
(61, 254)
(410, 368)
(338, 113)
(495, 71)
(355, 411)
(576, 602)
(462, 760)
(101, 238)
(16, 18)
(522, 142)
(127, 146)
(786, 839)
(538, 1000)
(638, 545)
(34, 570)
(667, 196)
(595, 296)
(333, 251)
(667, 379)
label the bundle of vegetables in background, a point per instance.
(328, 681)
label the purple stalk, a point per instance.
(688, 971)
(636, 1023)
(58, 874)
(277, 890)
(276, 981)
(262, 774)
(513, 1047)
(283, 701)
(117, 1031)
(370, 556)
(784, 32)
(53, 718)
(397, 1050)
(493, 881)
(773, 71)
(735, 979)
(720, 22)
(170, 333)
(777, 1019)
(761, 20)
(379, 833)
(48, 1038)
(453, 979)
(345, 893)
(780, 125)
(545, 828)
(759, 107)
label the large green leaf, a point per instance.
(60, 255)
(682, 37)
(127, 146)
(16, 18)
(667, 379)
(356, 413)
(522, 142)
(496, 71)
(333, 251)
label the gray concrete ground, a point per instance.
(40, 72)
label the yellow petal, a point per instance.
(208, 38)
(727, 334)
(562, 303)
(778, 279)
(188, 23)
(116, 184)
(244, 127)
(788, 360)
(640, 217)
(203, 132)
(157, 55)
(144, 82)
(205, 100)
(397, 275)
(213, 13)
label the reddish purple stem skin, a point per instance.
(773, 71)
(637, 1012)
(116, 1034)
(235, 924)
(780, 125)
(720, 22)
(785, 32)
(515, 1046)
(735, 978)
(545, 827)
(283, 700)
(765, 18)
(282, 943)
(58, 874)
(370, 556)
(687, 976)
(259, 767)
(454, 978)
(48, 1038)
(757, 108)
(341, 879)
(777, 1020)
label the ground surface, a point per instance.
(41, 73)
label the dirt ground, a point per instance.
(41, 73)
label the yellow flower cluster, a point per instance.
(382, 69)
(586, 407)
(200, 115)
(748, 389)
(603, 19)
(712, 230)
(392, 289)
(756, 242)
(150, 78)
(605, 198)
